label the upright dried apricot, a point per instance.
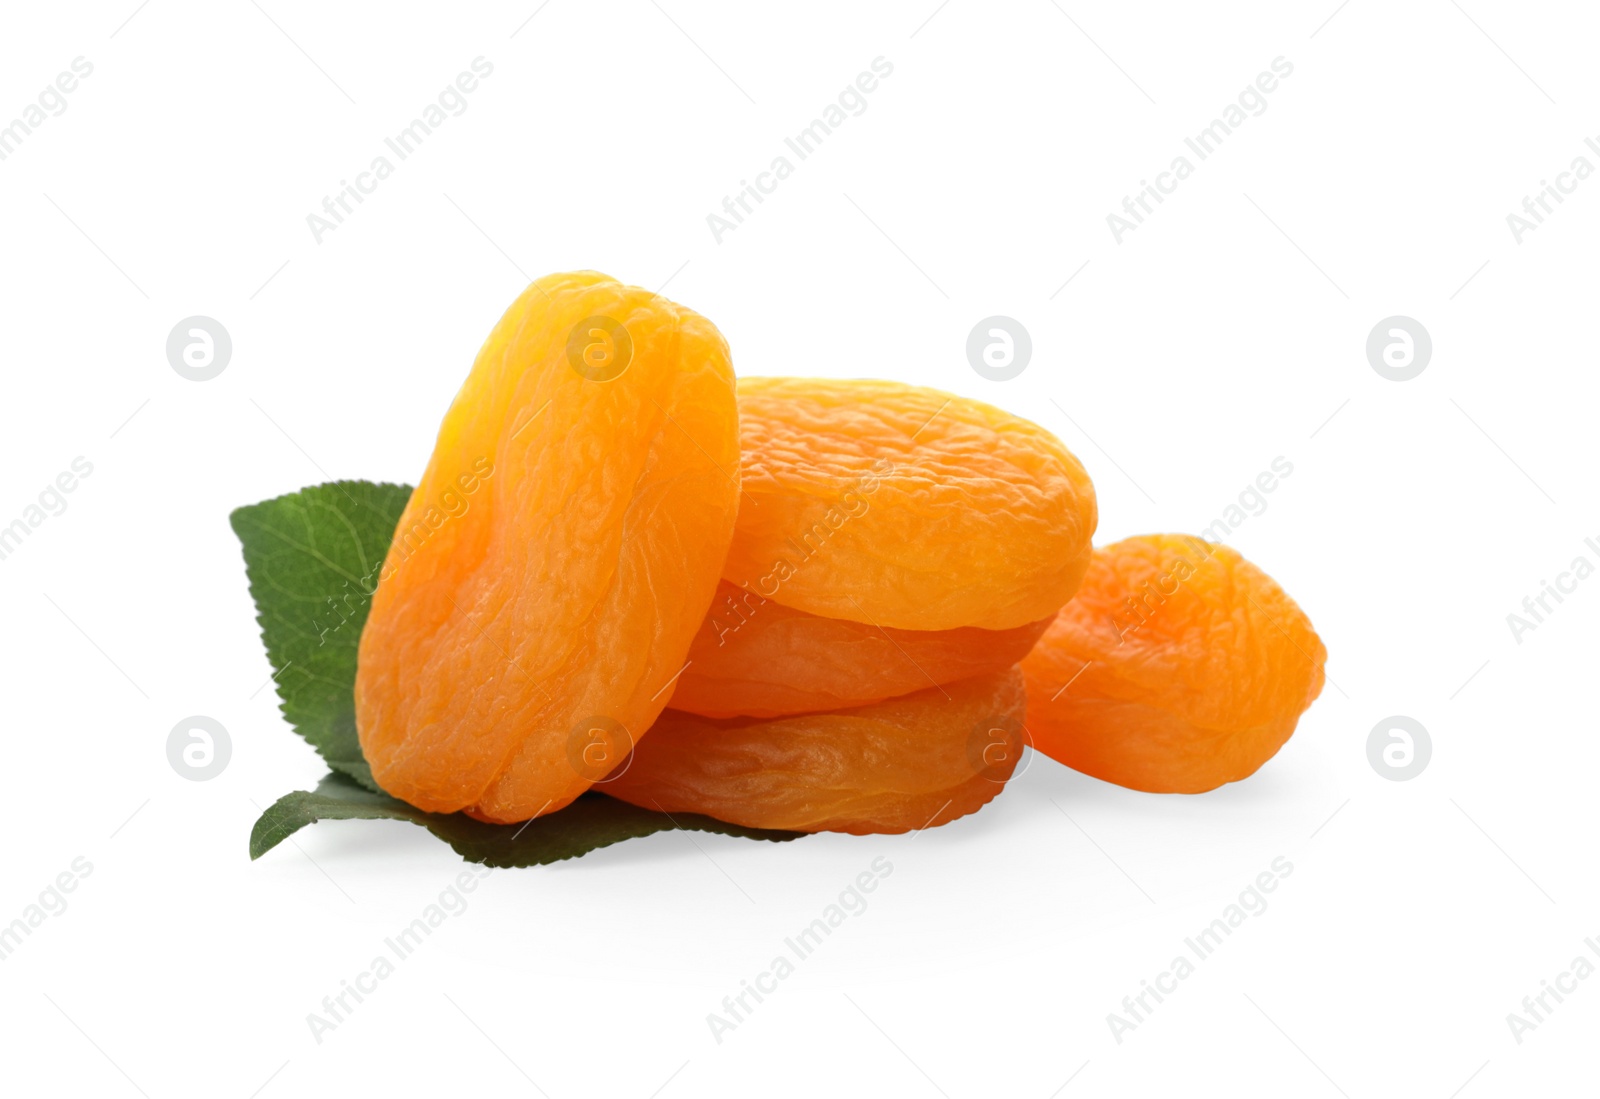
(912, 762)
(905, 507)
(1179, 666)
(558, 553)
(757, 658)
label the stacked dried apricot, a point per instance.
(851, 593)
(895, 766)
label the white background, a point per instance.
(1223, 333)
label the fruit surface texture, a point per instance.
(1178, 666)
(757, 658)
(909, 763)
(557, 555)
(905, 508)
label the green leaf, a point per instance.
(313, 558)
(591, 822)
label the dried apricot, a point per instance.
(598, 430)
(897, 766)
(1179, 666)
(905, 507)
(757, 658)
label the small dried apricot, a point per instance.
(1179, 666)
(558, 553)
(754, 657)
(905, 507)
(897, 766)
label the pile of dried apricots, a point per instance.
(788, 603)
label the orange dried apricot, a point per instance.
(904, 507)
(897, 766)
(1179, 666)
(599, 430)
(757, 658)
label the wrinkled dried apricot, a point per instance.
(757, 658)
(918, 760)
(1179, 666)
(598, 428)
(905, 507)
